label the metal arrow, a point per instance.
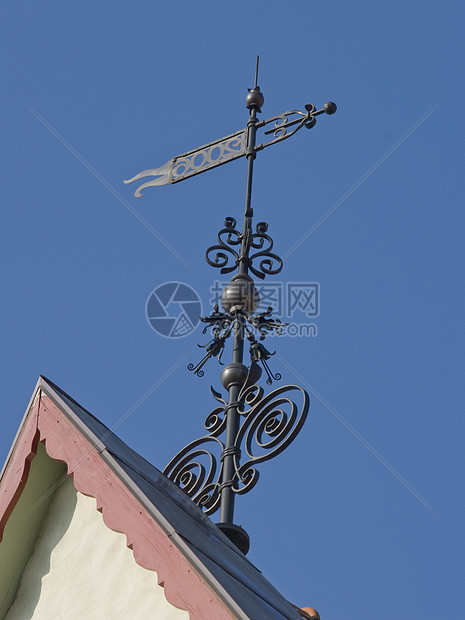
(230, 147)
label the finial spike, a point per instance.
(256, 71)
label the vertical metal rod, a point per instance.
(250, 154)
(232, 422)
(232, 427)
(256, 71)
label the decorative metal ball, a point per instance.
(240, 294)
(312, 612)
(234, 373)
(255, 98)
(330, 107)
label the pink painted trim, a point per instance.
(122, 512)
(17, 471)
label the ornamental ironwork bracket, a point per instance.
(222, 324)
(268, 425)
(234, 248)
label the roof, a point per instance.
(167, 532)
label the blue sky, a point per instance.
(362, 517)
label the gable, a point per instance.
(81, 453)
(201, 570)
(80, 569)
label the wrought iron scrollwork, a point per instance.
(258, 353)
(269, 425)
(264, 323)
(293, 118)
(214, 348)
(270, 263)
(195, 470)
(217, 319)
(223, 252)
(226, 257)
(222, 324)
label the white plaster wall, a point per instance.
(81, 570)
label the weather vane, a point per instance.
(248, 427)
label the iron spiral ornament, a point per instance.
(256, 252)
(268, 425)
(223, 253)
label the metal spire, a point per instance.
(260, 425)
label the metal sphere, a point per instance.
(330, 107)
(255, 98)
(312, 612)
(234, 373)
(240, 294)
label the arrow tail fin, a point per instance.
(163, 173)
